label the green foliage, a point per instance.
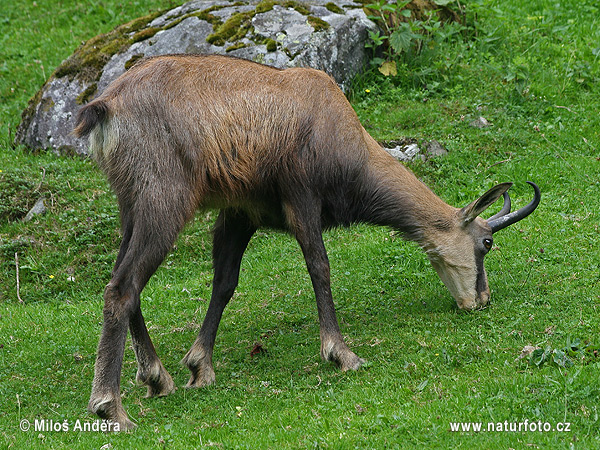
(575, 350)
(17, 196)
(550, 54)
(411, 31)
(531, 68)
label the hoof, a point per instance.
(126, 425)
(200, 365)
(158, 380)
(196, 381)
(201, 377)
(109, 409)
(341, 356)
(351, 363)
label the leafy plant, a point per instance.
(406, 31)
(575, 350)
(539, 357)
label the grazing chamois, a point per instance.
(269, 148)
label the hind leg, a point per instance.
(150, 372)
(232, 233)
(143, 249)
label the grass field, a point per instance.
(531, 69)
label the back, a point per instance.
(233, 126)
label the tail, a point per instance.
(93, 120)
(89, 117)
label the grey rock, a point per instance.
(38, 209)
(480, 122)
(407, 149)
(404, 152)
(434, 149)
(320, 39)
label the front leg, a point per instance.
(304, 219)
(142, 251)
(232, 233)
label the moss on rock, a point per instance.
(87, 94)
(267, 5)
(46, 104)
(144, 34)
(28, 114)
(317, 24)
(205, 14)
(271, 45)
(236, 46)
(334, 8)
(234, 28)
(239, 25)
(299, 7)
(131, 61)
(89, 59)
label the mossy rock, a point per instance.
(334, 8)
(271, 45)
(317, 24)
(87, 94)
(234, 29)
(327, 35)
(236, 46)
(90, 58)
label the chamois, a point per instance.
(269, 148)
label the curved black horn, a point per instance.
(502, 222)
(505, 208)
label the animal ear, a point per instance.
(472, 210)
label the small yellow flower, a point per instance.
(367, 90)
(51, 276)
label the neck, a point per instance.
(395, 197)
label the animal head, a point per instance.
(457, 253)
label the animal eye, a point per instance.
(487, 243)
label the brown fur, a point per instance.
(269, 147)
(232, 132)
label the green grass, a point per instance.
(530, 68)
